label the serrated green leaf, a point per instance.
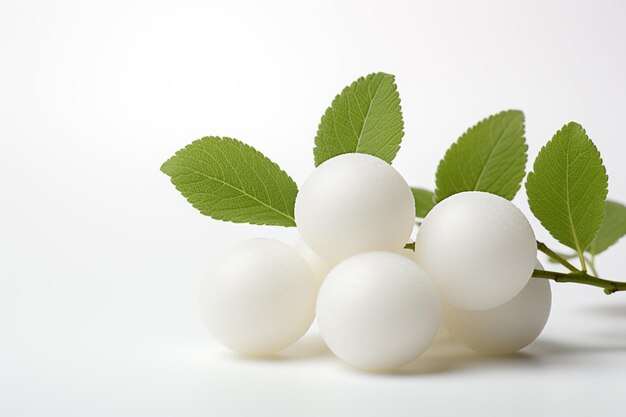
(424, 201)
(490, 156)
(228, 180)
(613, 227)
(568, 186)
(365, 118)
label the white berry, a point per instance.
(259, 298)
(506, 328)
(378, 311)
(478, 248)
(320, 266)
(354, 203)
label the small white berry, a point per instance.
(478, 248)
(320, 266)
(259, 297)
(506, 328)
(378, 311)
(354, 203)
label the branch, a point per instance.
(581, 277)
(555, 256)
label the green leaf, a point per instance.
(365, 118)
(613, 227)
(490, 156)
(568, 186)
(229, 180)
(424, 201)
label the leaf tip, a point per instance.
(164, 166)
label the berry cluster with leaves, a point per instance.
(229, 180)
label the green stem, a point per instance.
(575, 275)
(592, 264)
(583, 264)
(558, 258)
(581, 277)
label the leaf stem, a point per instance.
(575, 275)
(591, 261)
(581, 277)
(555, 256)
(582, 259)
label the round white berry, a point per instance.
(259, 298)
(478, 248)
(506, 328)
(378, 311)
(407, 253)
(320, 266)
(354, 203)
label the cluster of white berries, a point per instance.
(379, 306)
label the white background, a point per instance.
(101, 259)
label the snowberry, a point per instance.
(259, 298)
(354, 203)
(320, 266)
(506, 328)
(478, 248)
(378, 310)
